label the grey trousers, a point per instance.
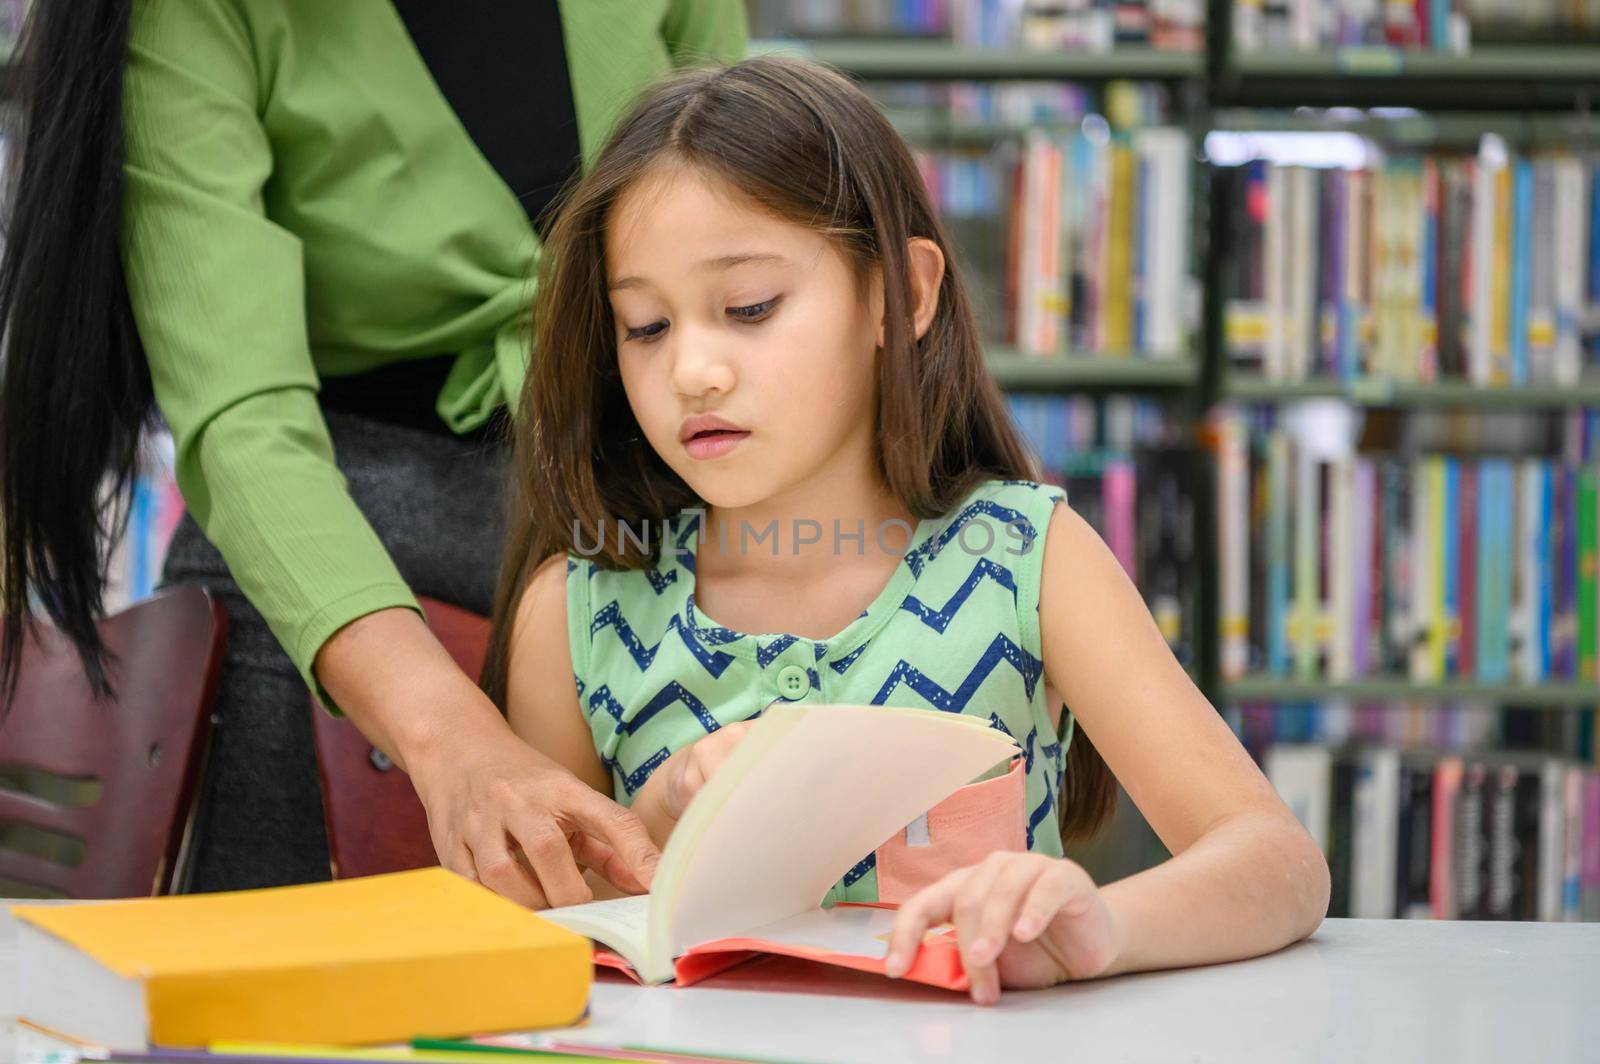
(436, 503)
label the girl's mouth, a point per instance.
(713, 443)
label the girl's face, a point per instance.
(746, 345)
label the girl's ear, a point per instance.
(925, 272)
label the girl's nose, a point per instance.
(699, 366)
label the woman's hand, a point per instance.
(499, 811)
(1023, 920)
(670, 788)
(506, 815)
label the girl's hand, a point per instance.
(683, 774)
(1023, 920)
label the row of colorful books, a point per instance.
(1340, 566)
(1483, 268)
(1094, 258)
(1127, 474)
(1425, 834)
(1050, 25)
(1318, 25)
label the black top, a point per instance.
(502, 67)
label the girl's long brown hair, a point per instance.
(805, 144)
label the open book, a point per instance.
(807, 793)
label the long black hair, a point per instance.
(75, 389)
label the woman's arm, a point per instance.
(218, 291)
(1245, 877)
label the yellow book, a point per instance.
(380, 959)
(1117, 308)
(1500, 283)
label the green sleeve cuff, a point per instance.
(320, 626)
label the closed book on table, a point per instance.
(379, 959)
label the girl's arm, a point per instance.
(1245, 878)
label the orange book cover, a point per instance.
(938, 962)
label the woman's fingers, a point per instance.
(545, 848)
(495, 867)
(605, 821)
(596, 855)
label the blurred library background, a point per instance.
(1300, 300)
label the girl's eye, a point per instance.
(753, 312)
(647, 332)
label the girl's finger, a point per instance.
(977, 953)
(929, 906)
(1002, 904)
(1049, 894)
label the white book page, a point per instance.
(622, 924)
(808, 793)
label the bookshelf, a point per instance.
(1382, 392)
(1125, 371)
(938, 60)
(1558, 695)
(1534, 95)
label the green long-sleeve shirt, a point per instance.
(300, 200)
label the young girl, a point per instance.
(760, 458)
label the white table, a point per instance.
(1359, 990)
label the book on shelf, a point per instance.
(1128, 475)
(841, 779)
(1038, 25)
(1077, 242)
(1324, 25)
(1479, 268)
(1427, 834)
(1432, 566)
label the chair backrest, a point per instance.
(376, 822)
(105, 790)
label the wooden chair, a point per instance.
(376, 822)
(143, 750)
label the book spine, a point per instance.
(1588, 504)
(1521, 264)
(1446, 793)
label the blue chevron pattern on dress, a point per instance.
(1004, 515)
(937, 636)
(861, 868)
(766, 655)
(1000, 649)
(610, 616)
(639, 776)
(1038, 815)
(848, 660)
(672, 694)
(940, 619)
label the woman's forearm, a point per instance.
(1250, 885)
(397, 684)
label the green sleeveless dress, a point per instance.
(955, 630)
